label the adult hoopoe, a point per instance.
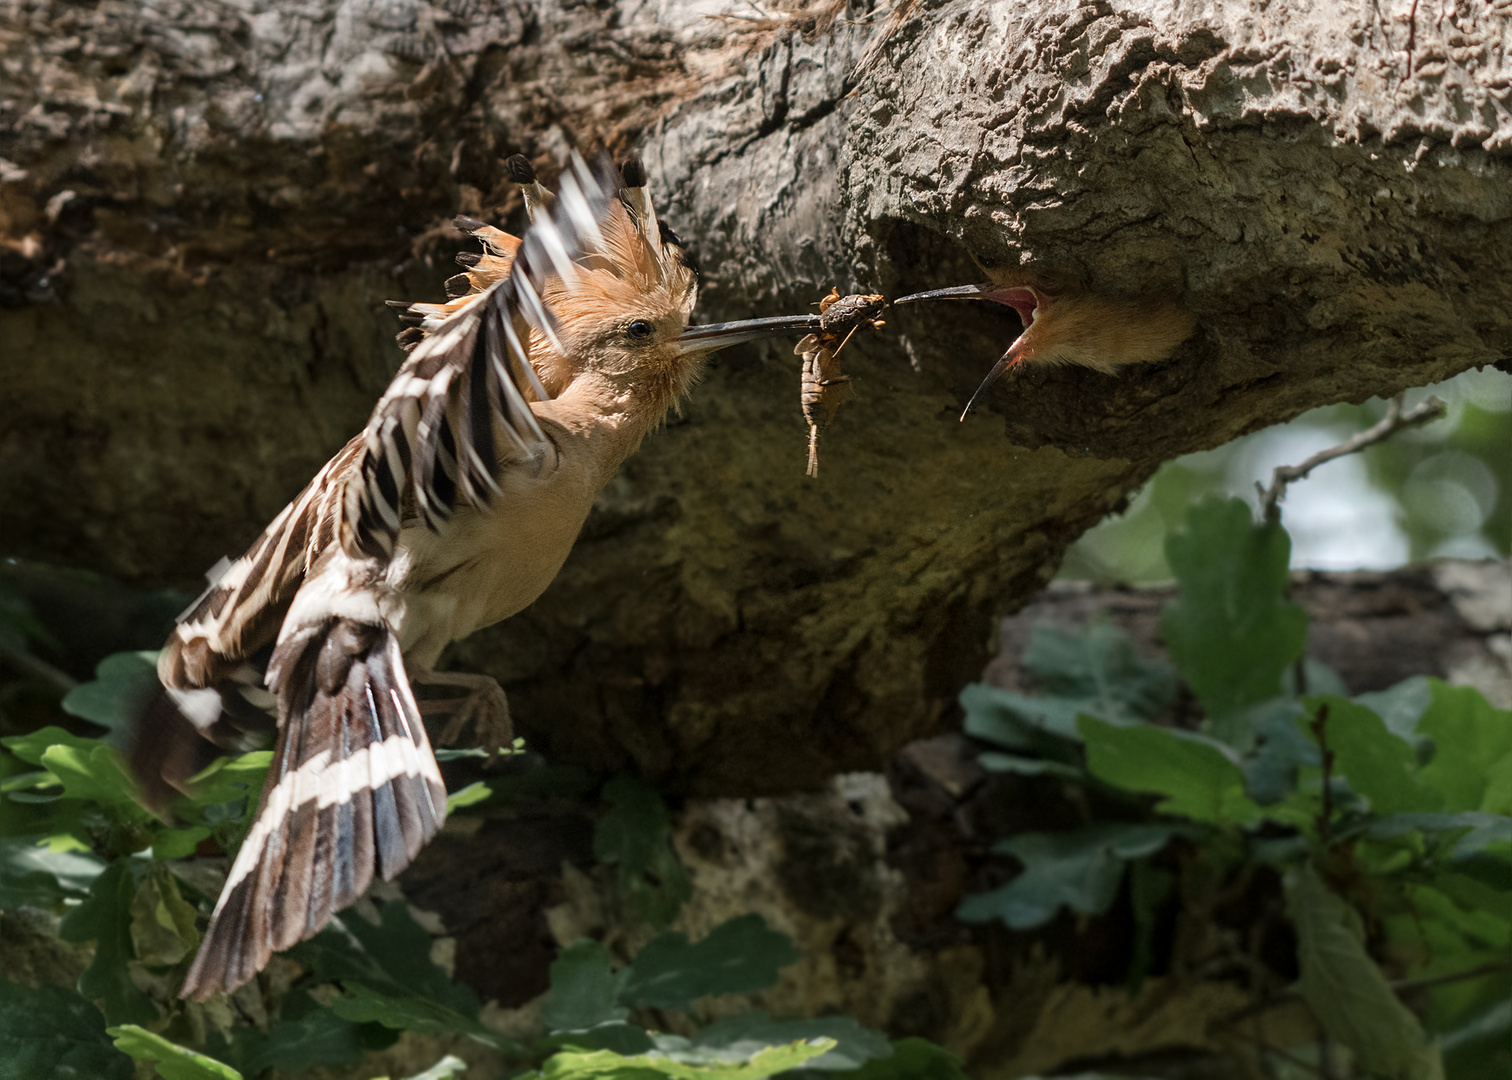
(453, 509)
(1072, 326)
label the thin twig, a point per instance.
(1394, 421)
(1399, 986)
(28, 664)
(1319, 728)
(1490, 967)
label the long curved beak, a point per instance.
(1007, 360)
(1025, 299)
(713, 336)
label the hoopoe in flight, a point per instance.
(1072, 326)
(453, 509)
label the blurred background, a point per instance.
(1443, 489)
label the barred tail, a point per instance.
(354, 790)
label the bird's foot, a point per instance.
(484, 706)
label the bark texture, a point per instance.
(204, 205)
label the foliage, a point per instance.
(1445, 489)
(1383, 817)
(76, 843)
(47, 1031)
(1386, 814)
(632, 837)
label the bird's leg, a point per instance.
(484, 706)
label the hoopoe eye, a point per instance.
(639, 330)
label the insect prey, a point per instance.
(823, 385)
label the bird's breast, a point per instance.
(487, 565)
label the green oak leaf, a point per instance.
(49, 1033)
(1231, 630)
(1346, 991)
(1199, 777)
(172, 1061)
(739, 956)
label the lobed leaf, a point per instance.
(364, 1004)
(1080, 869)
(1101, 670)
(231, 778)
(911, 1059)
(1231, 629)
(1379, 765)
(1097, 671)
(123, 681)
(739, 956)
(1400, 707)
(48, 1033)
(1347, 992)
(162, 923)
(87, 768)
(635, 837)
(308, 1035)
(173, 1062)
(33, 874)
(389, 978)
(1472, 749)
(1280, 750)
(607, 1065)
(741, 1037)
(1016, 722)
(1198, 776)
(105, 919)
(585, 989)
(1477, 831)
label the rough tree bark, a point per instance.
(203, 206)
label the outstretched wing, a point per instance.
(241, 611)
(431, 441)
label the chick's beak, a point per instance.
(713, 336)
(1007, 360)
(1025, 299)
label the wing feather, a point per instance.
(241, 611)
(433, 436)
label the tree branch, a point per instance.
(1399, 987)
(28, 664)
(1394, 421)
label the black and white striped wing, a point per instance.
(433, 440)
(241, 611)
(353, 791)
(211, 667)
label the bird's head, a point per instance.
(1065, 324)
(622, 313)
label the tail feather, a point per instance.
(354, 791)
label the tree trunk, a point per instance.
(203, 206)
